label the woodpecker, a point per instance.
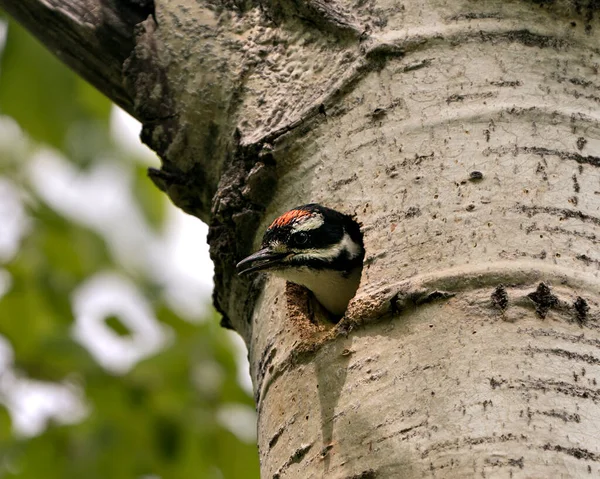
(316, 247)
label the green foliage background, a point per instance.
(156, 421)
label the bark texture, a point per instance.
(465, 136)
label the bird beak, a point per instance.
(262, 259)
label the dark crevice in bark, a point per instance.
(585, 259)
(581, 310)
(576, 452)
(563, 353)
(403, 302)
(507, 83)
(471, 96)
(576, 120)
(295, 458)
(527, 38)
(246, 186)
(428, 298)
(499, 297)
(576, 81)
(264, 366)
(563, 213)
(544, 300)
(564, 416)
(575, 339)
(559, 387)
(419, 42)
(472, 441)
(146, 7)
(540, 151)
(276, 437)
(367, 474)
(324, 15)
(474, 16)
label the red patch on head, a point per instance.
(289, 217)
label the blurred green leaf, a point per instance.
(46, 98)
(161, 418)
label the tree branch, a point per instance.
(93, 37)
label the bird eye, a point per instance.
(300, 238)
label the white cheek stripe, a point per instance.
(333, 251)
(311, 223)
(350, 246)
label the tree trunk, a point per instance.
(465, 137)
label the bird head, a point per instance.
(316, 247)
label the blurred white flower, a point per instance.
(14, 222)
(31, 403)
(107, 295)
(101, 199)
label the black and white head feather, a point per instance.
(316, 247)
